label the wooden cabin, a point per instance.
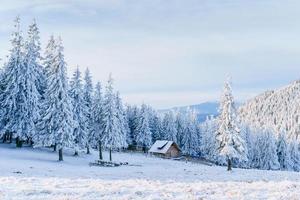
(166, 149)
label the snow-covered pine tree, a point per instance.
(181, 126)
(44, 136)
(144, 135)
(88, 99)
(49, 58)
(16, 118)
(97, 114)
(264, 151)
(112, 137)
(191, 140)
(208, 143)
(156, 127)
(283, 153)
(34, 78)
(247, 134)
(33, 56)
(79, 112)
(132, 113)
(294, 155)
(169, 127)
(56, 125)
(230, 143)
(153, 122)
(123, 121)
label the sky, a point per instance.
(170, 53)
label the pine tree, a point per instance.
(265, 156)
(97, 114)
(208, 143)
(283, 153)
(79, 112)
(56, 125)
(33, 57)
(34, 79)
(112, 137)
(49, 58)
(14, 94)
(181, 126)
(294, 155)
(230, 143)
(247, 135)
(169, 127)
(88, 98)
(132, 113)
(45, 136)
(156, 128)
(144, 135)
(191, 140)
(123, 121)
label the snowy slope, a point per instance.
(35, 174)
(278, 110)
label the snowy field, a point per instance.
(35, 174)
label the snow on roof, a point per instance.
(161, 146)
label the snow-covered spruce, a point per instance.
(56, 125)
(19, 92)
(97, 116)
(123, 121)
(264, 151)
(79, 110)
(112, 137)
(169, 127)
(88, 101)
(144, 135)
(230, 143)
(132, 113)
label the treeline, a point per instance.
(40, 107)
(264, 150)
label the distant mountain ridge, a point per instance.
(203, 110)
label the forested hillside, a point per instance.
(277, 110)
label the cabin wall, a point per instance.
(173, 152)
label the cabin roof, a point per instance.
(162, 146)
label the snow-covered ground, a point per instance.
(35, 174)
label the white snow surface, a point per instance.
(35, 174)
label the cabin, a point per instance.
(166, 149)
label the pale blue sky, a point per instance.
(171, 52)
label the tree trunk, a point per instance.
(60, 154)
(229, 164)
(18, 142)
(100, 151)
(4, 137)
(31, 142)
(54, 147)
(76, 153)
(110, 157)
(88, 150)
(10, 138)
